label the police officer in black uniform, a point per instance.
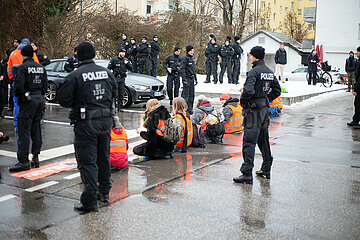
(172, 66)
(226, 53)
(43, 59)
(119, 65)
(236, 60)
(261, 86)
(72, 63)
(90, 91)
(30, 87)
(188, 76)
(144, 50)
(212, 54)
(125, 43)
(154, 55)
(132, 54)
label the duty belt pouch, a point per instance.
(99, 113)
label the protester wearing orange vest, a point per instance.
(180, 108)
(232, 112)
(155, 146)
(118, 147)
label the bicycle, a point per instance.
(323, 76)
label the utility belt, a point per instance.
(86, 114)
(120, 76)
(35, 92)
(257, 104)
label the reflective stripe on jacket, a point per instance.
(160, 129)
(118, 149)
(203, 122)
(189, 131)
(277, 102)
(235, 122)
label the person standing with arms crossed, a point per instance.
(188, 75)
(154, 55)
(172, 66)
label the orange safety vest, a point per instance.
(15, 60)
(235, 122)
(160, 129)
(118, 149)
(203, 123)
(277, 102)
(189, 131)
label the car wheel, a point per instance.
(50, 94)
(127, 101)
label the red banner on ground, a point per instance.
(44, 171)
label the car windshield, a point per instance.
(102, 63)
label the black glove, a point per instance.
(144, 135)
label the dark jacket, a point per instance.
(132, 51)
(124, 44)
(280, 56)
(118, 67)
(226, 52)
(212, 52)
(227, 112)
(238, 51)
(91, 86)
(312, 67)
(172, 61)
(43, 59)
(71, 63)
(350, 64)
(187, 68)
(357, 77)
(30, 77)
(260, 83)
(3, 72)
(144, 50)
(155, 49)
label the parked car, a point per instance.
(301, 74)
(138, 87)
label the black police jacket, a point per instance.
(260, 83)
(132, 51)
(124, 44)
(155, 49)
(187, 68)
(212, 52)
(118, 66)
(280, 57)
(357, 77)
(238, 51)
(312, 66)
(172, 61)
(91, 87)
(226, 52)
(144, 50)
(71, 63)
(31, 77)
(43, 59)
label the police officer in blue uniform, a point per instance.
(90, 91)
(260, 88)
(29, 87)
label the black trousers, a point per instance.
(134, 64)
(211, 68)
(226, 64)
(173, 85)
(312, 77)
(256, 124)
(356, 117)
(11, 97)
(154, 66)
(236, 71)
(121, 90)
(92, 147)
(188, 94)
(144, 62)
(29, 127)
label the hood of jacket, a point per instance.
(207, 107)
(232, 101)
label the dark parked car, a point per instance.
(138, 87)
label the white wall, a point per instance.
(337, 29)
(271, 46)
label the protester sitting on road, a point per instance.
(155, 146)
(232, 112)
(118, 147)
(208, 118)
(180, 108)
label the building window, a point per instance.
(274, 1)
(262, 7)
(292, 4)
(202, 11)
(311, 27)
(252, 3)
(250, 19)
(274, 16)
(261, 40)
(171, 4)
(285, 27)
(298, 27)
(187, 7)
(286, 10)
(148, 9)
(216, 12)
(299, 12)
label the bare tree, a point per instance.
(295, 27)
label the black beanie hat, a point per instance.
(35, 43)
(27, 51)
(124, 33)
(122, 49)
(155, 36)
(177, 49)
(228, 38)
(358, 49)
(189, 48)
(133, 39)
(144, 37)
(18, 40)
(236, 38)
(85, 51)
(212, 35)
(258, 52)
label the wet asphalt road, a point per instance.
(314, 192)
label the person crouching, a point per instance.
(180, 108)
(232, 112)
(118, 147)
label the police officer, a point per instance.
(118, 65)
(261, 86)
(43, 59)
(172, 66)
(125, 43)
(188, 76)
(30, 87)
(72, 62)
(132, 54)
(236, 60)
(212, 53)
(154, 55)
(144, 50)
(226, 53)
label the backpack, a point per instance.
(173, 130)
(198, 137)
(215, 125)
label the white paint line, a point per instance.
(8, 153)
(72, 176)
(52, 104)
(133, 111)
(41, 186)
(56, 152)
(7, 197)
(56, 122)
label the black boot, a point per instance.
(263, 174)
(84, 208)
(207, 81)
(244, 179)
(357, 126)
(103, 197)
(20, 167)
(170, 102)
(35, 161)
(352, 123)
